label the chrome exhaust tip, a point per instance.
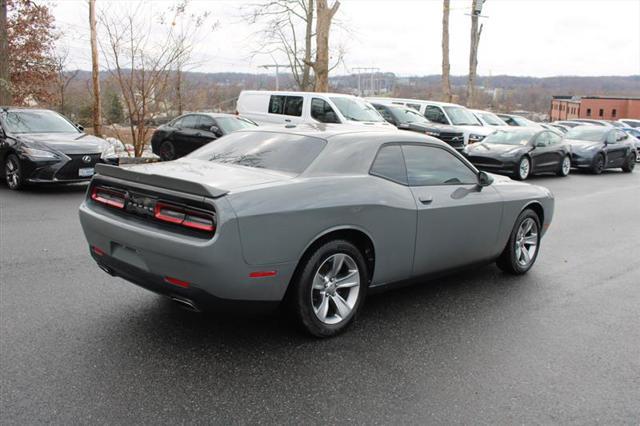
(107, 270)
(185, 303)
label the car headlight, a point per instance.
(109, 152)
(432, 133)
(39, 154)
(473, 138)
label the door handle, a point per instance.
(426, 199)
(287, 120)
(198, 134)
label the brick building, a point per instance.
(595, 107)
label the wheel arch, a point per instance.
(356, 235)
(537, 208)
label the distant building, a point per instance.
(595, 107)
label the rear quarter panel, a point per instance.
(278, 223)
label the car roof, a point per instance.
(382, 99)
(289, 93)
(328, 131)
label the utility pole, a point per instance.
(446, 67)
(371, 83)
(95, 71)
(476, 10)
(277, 67)
(5, 78)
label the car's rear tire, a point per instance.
(167, 151)
(598, 164)
(523, 246)
(523, 168)
(329, 288)
(565, 167)
(629, 163)
(13, 172)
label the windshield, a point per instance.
(355, 109)
(37, 122)
(406, 115)
(460, 116)
(231, 124)
(264, 150)
(492, 119)
(520, 137)
(587, 133)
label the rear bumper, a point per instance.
(146, 254)
(195, 298)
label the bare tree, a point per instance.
(283, 20)
(141, 54)
(64, 77)
(95, 71)
(476, 8)
(5, 79)
(446, 67)
(324, 16)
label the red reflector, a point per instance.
(177, 282)
(107, 196)
(97, 251)
(262, 274)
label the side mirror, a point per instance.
(216, 130)
(402, 125)
(484, 179)
(80, 127)
(539, 145)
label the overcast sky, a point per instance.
(520, 37)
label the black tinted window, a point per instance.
(385, 113)
(189, 122)
(264, 150)
(293, 106)
(435, 166)
(276, 104)
(322, 111)
(205, 123)
(435, 114)
(389, 164)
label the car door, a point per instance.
(458, 220)
(616, 148)
(435, 114)
(543, 153)
(204, 134)
(184, 137)
(286, 109)
(322, 111)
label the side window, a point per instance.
(435, 114)
(620, 136)
(554, 139)
(205, 123)
(276, 104)
(414, 106)
(611, 137)
(542, 139)
(427, 165)
(322, 111)
(385, 114)
(177, 123)
(389, 164)
(189, 122)
(293, 106)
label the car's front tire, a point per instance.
(598, 164)
(565, 167)
(521, 250)
(13, 172)
(329, 288)
(523, 168)
(629, 163)
(167, 151)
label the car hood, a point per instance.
(477, 130)
(66, 143)
(580, 144)
(212, 174)
(423, 127)
(483, 148)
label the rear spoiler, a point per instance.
(180, 185)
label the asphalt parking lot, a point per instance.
(558, 345)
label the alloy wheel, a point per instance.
(12, 173)
(524, 168)
(526, 243)
(599, 166)
(566, 166)
(335, 290)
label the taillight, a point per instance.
(185, 216)
(108, 196)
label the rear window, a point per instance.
(263, 150)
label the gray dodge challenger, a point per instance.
(310, 216)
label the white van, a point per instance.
(444, 113)
(267, 107)
(488, 118)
